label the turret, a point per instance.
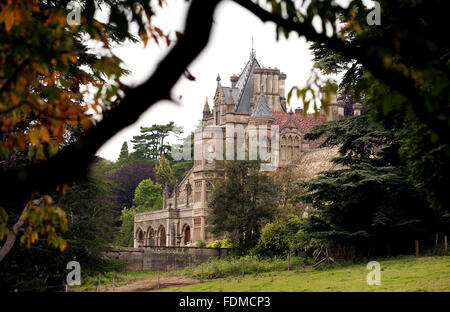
(335, 109)
(206, 111)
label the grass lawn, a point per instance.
(399, 274)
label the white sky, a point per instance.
(226, 54)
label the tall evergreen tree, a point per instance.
(124, 156)
(151, 143)
(242, 202)
(370, 202)
(88, 206)
(164, 172)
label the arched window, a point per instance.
(140, 238)
(208, 191)
(162, 236)
(290, 148)
(283, 148)
(296, 147)
(150, 240)
(188, 192)
(186, 235)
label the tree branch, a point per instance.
(370, 60)
(7, 246)
(70, 164)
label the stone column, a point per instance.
(281, 85)
(203, 196)
(275, 83)
(168, 232)
(264, 81)
(202, 229)
(175, 223)
(269, 83)
(257, 74)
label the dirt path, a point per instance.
(150, 284)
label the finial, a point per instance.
(290, 111)
(252, 53)
(206, 107)
(218, 78)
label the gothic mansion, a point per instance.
(255, 97)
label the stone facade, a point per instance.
(255, 97)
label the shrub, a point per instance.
(232, 266)
(224, 243)
(200, 244)
(279, 237)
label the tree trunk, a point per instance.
(12, 236)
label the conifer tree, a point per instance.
(369, 203)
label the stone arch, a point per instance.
(150, 237)
(140, 237)
(187, 234)
(161, 236)
(290, 148)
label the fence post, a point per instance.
(289, 261)
(445, 242)
(417, 248)
(159, 272)
(437, 239)
(98, 283)
(243, 266)
(113, 283)
(201, 274)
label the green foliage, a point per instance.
(412, 274)
(164, 172)
(370, 202)
(88, 206)
(278, 237)
(151, 144)
(200, 244)
(242, 202)
(147, 194)
(232, 266)
(224, 243)
(181, 169)
(124, 156)
(125, 236)
(404, 82)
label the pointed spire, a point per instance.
(206, 111)
(218, 78)
(261, 108)
(252, 53)
(206, 107)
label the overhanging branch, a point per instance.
(371, 61)
(70, 164)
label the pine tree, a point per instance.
(124, 155)
(370, 202)
(241, 203)
(164, 172)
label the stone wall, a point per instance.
(165, 258)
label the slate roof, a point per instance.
(261, 108)
(243, 90)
